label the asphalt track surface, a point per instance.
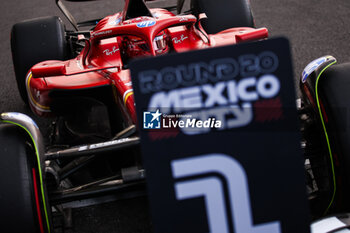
(314, 28)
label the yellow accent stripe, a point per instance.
(127, 96)
(31, 96)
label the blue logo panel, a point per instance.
(311, 67)
(145, 24)
(151, 120)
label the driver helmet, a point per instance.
(136, 46)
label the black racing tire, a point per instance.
(18, 206)
(224, 14)
(34, 41)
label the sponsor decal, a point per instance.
(111, 52)
(101, 33)
(145, 24)
(182, 38)
(311, 67)
(103, 144)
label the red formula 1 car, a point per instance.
(81, 80)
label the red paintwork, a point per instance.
(37, 203)
(100, 62)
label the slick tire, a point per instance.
(34, 41)
(19, 210)
(224, 14)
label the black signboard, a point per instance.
(220, 141)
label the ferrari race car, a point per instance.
(80, 80)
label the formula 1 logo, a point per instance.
(151, 120)
(213, 190)
(145, 24)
